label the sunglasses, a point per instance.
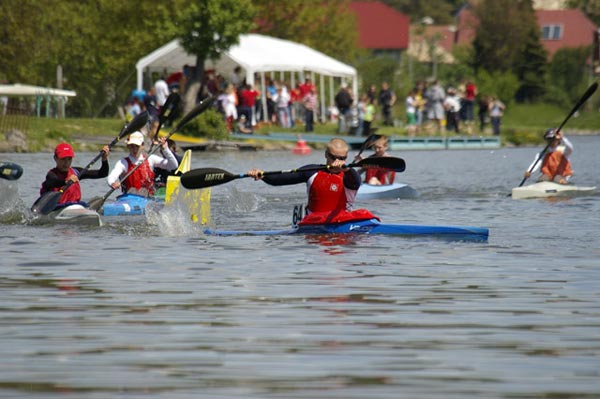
(337, 157)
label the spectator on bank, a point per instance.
(343, 102)
(387, 99)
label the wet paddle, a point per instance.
(48, 201)
(167, 113)
(10, 171)
(588, 93)
(207, 177)
(97, 202)
(367, 143)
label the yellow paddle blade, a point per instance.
(196, 201)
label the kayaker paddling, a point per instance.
(555, 166)
(331, 190)
(378, 176)
(141, 181)
(66, 177)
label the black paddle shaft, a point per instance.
(208, 177)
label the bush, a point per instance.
(210, 125)
(503, 85)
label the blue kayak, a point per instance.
(373, 226)
(127, 205)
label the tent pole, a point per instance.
(263, 97)
(322, 94)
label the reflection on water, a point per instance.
(150, 307)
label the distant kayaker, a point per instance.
(140, 182)
(378, 176)
(331, 191)
(556, 166)
(64, 173)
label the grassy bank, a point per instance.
(522, 124)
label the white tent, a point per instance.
(257, 54)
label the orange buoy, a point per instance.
(301, 147)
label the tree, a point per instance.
(531, 68)
(590, 7)
(96, 43)
(508, 39)
(207, 28)
(327, 26)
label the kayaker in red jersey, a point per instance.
(331, 191)
(378, 176)
(141, 182)
(64, 173)
(556, 166)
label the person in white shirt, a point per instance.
(141, 181)
(161, 91)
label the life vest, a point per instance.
(337, 216)
(143, 177)
(385, 176)
(555, 163)
(326, 192)
(327, 201)
(73, 192)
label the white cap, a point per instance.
(136, 138)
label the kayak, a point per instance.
(394, 190)
(196, 201)
(72, 214)
(372, 226)
(127, 205)
(549, 189)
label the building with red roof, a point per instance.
(559, 29)
(382, 29)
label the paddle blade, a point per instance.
(138, 122)
(206, 177)
(96, 203)
(392, 163)
(10, 171)
(169, 108)
(46, 203)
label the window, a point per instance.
(552, 32)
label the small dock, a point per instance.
(395, 142)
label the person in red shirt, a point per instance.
(331, 191)
(378, 176)
(247, 100)
(63, 173)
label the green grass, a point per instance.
(522, 124)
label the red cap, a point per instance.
(64, 150)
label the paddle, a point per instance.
(367, 143)
(48, 201)
(97, 202)
(588, 93)
(10, 171)
(207, 177)
(167, 112)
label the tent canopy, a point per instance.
(257, 54)
(254, 53)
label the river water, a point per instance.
(150, 307)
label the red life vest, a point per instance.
(327, 201)
(385, 176)
(73, 192)
(143, 177)
(326, 192)
(555, 164)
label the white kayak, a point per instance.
(394, 190)
(73, 214)
(549, 189)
